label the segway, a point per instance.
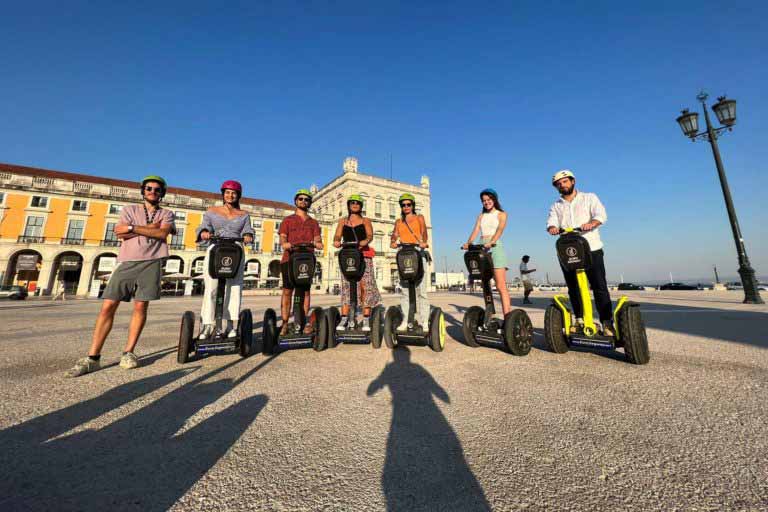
(574, 254)
(514, 333)
(224, 261)
(352, 266)
(410, 266)
(301, 270)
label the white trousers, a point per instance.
(422, 304)
(232, 296)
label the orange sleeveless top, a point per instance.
(416, 225)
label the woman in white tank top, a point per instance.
(490, 226)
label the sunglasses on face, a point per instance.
(153, 189)
(303, 199)
(406, 205)
(358, 203)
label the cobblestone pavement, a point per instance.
(355, 428)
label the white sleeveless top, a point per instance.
(489, 223)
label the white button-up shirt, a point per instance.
(584, 208)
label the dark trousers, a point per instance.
(596, 278)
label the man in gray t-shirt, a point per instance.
(527, 278)
(144, 231)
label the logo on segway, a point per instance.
(304, 268)
(226, 261)
(571, 251)
(351, 267)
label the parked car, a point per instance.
(734, 286)
(676, 286)
(13, 292)
(630, 286)
(548, 288)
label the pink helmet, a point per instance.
(232, 185)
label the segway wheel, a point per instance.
(518, 332)
(554, 330)
(437, 330)
(245, 333)
(377, 326)
(320, 328)
(472, 320)
(269, 332)
(632, 332)
(186, 335)
(332, 318)
(392, 320)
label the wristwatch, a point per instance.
(130, 228)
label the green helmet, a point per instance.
(156, 178)
(355, 197)
(303, 192)
(407, 196)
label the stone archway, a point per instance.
(103, 266)
(273, 274)
(24, 269)
(65, 274)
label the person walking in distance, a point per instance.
(527, 278)
(144, 229)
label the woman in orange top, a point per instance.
(411, 228)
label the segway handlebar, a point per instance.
(565, 231)
(304, 246)
(471, 247)
(214, 239)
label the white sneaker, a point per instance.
(206, 332)
(82, 366)
(129, 361)
(366, 324)
(342, 325)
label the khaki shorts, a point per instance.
(527, 286)
(139, 280)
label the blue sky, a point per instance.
(472, 94)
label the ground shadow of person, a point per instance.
(145, 460)
(425, 468)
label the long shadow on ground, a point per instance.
(135, 463)
(735, 325)
(425, 468)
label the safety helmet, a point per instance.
(302, 192)
(565, 173)
(407, 196)
(355, 197)
(232, 185)
(155, 178)
(489, 192)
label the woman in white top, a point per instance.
(490, 225)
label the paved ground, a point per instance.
(358, 429)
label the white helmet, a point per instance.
(564, 173)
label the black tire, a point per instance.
(245, 332)
(332, 318)
(518, 333)
(269, 332)
(320, 327)
(377, 326)
(554, 330)
(186, 335)
(392, 320)
(436, 330)
(473, 318)
(632, 332)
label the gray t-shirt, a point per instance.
(221, 226)
(525, 276)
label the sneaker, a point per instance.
(608, 329)
(366, 324)
(527, 301)
(205, 332)
(129, 361)
(83, 366)
(232, 334)
(342, 325)
(229, 330)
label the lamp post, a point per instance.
(725, 109)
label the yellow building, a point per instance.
(57, 229)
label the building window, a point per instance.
(181, 216)
(256, 223)
(75, 230)
(39, 202)
(114, 209)
(392, 211)
(378, 209)
(34, 226)
(378, 241)
(256, 243)
(109, 234)
(2, 197)
(277, 226)
(177, 239)
(79, 206)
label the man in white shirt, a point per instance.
(525, 277)
(582, 210)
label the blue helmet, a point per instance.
(489, 192)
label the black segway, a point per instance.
(301, 270)
(352, 266)
(224, 261)
(514, 333)
(574, 254)
(410, 266)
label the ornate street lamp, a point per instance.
(725, 110)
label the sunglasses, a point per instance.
(356, 202)
(153, 189)
(303, 199)
(406, 205)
